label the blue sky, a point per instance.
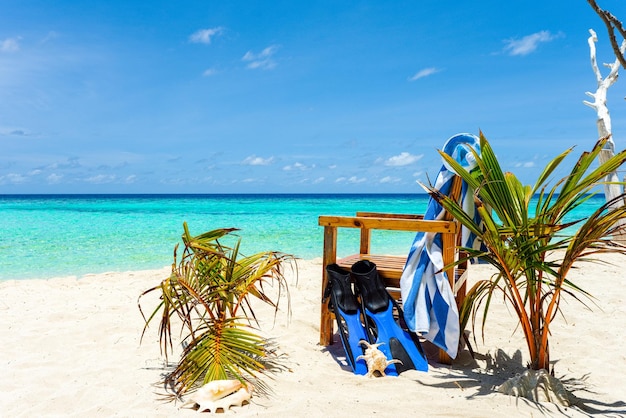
(288, 97)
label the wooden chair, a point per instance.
(389, 267)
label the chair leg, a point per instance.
(326, 320)
(329, 257)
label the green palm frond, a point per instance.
(533, 253)
(227, 349)
(209, 292)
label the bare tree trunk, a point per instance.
(611, 189)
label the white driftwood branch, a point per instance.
(599, 97)
(611, 190)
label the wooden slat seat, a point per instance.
(389, 266)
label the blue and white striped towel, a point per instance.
(428, 301)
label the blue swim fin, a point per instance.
(381, 323)
(348, 315)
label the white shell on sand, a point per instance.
(221, 394)
(375, 359)
(538, 386)
(216, 389)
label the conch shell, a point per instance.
(221, 394)
(375, 359)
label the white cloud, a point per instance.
(254, 160)
(351, 180)
(355, 180)
(130, 179)
(404, 158)
(318, 180)
(13, 178)
(528, 43)
(389, 179)
(252, 180)
(298, 166)
(526, 164)
(101, 179)
(203, 36)
(10, 45)
(262, 60)
(424, 73)
(209, 72)
(72, 162)
(294, 166)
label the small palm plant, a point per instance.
(210, 292)
(532, 251)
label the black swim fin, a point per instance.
(381, 323)
(348, 315)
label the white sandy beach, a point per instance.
(70, 347)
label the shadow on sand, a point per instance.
(485, 372)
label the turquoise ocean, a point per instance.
(44, 236)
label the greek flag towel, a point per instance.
(428, 301)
